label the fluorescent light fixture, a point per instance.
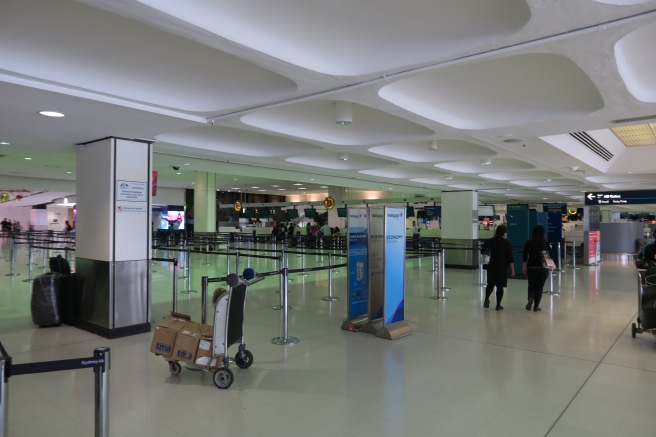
(255, 188)
(297, 184)
(636, 135)
(302, 188)
(28, 159)
(52, 114)
(486, 161)
(275, 186)
(4, 143)
(178, 172)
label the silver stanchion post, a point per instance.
(443, 272)
(237, 261)
(574, 255)
(303, 265)
(11, 256)
(559, 257)
(228, 260)
(102, 391)
(187, 278)
(282, 305)
(435, 268)
(203, 299)
(439, 295)
(175, 284)
(330, 297)
(4, 386)
(285, 338)
(29, 264)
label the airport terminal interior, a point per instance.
(571, 370)
(311, 106)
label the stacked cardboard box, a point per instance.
(179, 338)
(166, 332)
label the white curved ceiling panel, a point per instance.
(401, 172)
(636, 62)
(519, 175)
(236, 141)
(631, 186)
(348, 38)
(627, 178)
(196, 79)
(444, 181)
(433, 151)
(535, 87)
(331, 161)
(316, 121)
(499, 165)
(544, 183)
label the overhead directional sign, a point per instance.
(635, 197)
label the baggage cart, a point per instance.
(228, 330)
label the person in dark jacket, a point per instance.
(501, 258)
(533, 268)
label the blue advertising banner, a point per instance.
(376, 262)
(394, 265)
(358, 269)
(518, 232)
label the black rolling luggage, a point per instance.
(45, 300)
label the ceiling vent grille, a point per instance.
(593, 145)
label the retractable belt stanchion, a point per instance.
(29, 264)
(440, 273)
(551, 281)
(175, 285)
(186, 265)
(187, 277)
(302, 265)
(285, 338)
(228, 260)
(435, 267)
(481, 281)
(237, 260)
(443, 268)
(100, 362)
(574, 255)
(11, 256)
(330, 297)
(283, 285)
(560, 260)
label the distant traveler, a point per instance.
(501, 258)
(533, 266)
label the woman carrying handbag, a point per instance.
(537, 264)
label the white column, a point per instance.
(205, 202)
(113, 235)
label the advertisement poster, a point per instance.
(376, 262)
(594, 248)
(358, 269)
(394, 264)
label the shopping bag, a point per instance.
(547, 262)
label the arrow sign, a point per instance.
(591, 196)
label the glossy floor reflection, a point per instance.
(571, 370)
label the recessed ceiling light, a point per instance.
(69, 172)
(324, 186)
(545, 198)
(178, 172)
(4, 143)
(29, 159)
(448, 178)
(281, 189)
(186, 163)
(312, 179)
(486, 161)
(302, 188)
(52, 114)
(235, 188)
(261, 190)
(275, 186)
(297, 184)
(255, 187)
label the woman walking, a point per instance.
(535, 251)
(501, 258)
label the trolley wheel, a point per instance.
(633, 330)
(175, 368)
(244, 360)
(223, 377)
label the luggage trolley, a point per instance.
(228, 330)
(646, 321)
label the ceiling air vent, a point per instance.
(593, 145)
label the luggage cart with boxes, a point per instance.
(203, 347)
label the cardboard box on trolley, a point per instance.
(166, 332)
(188, 340)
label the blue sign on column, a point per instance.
(358, 260)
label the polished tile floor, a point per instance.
(571, 370)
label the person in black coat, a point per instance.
(533, 268)
(501, 258)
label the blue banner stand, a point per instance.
(395, 325)
(357, 240)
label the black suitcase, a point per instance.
(45, 300)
